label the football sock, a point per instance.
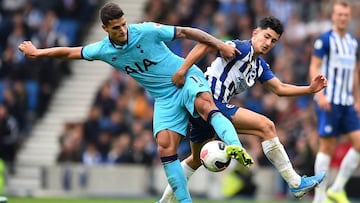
(168, 193)
(176, 178)
(223, 128)
(322, 163)
(276, 154)
(347, 167)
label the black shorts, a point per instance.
(201, 130)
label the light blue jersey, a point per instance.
(147, 59)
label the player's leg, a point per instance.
(168, 142)
(350, 123)
(322, 163)
(223, 127)
(189, 165)
(199, 102)
(328, 127)
(249, 122)
(348, 165)
(170, 124)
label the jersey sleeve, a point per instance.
(242, 46)
(92, 51)
(321, 46)
(159, 32)
(266, 73)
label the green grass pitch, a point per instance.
(119, 200)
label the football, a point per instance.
(213, 156)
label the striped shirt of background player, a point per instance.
(339, 56)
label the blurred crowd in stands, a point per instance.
(27, 86)
(118, 126)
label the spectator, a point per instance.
(8, 138)
(92, 125)
(91, 155)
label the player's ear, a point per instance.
(104, 27)
(255, 31)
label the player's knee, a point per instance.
(356, 146)
(327, 148)
(165, 145)
(267, 128)
(204, 103)
(166, 150)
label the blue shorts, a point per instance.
(340, 120)
(202, 130)
(172, 112)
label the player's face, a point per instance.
(263, 40)
(341, 17)
(117, 30)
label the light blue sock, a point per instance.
(176, 178)
(224, 128)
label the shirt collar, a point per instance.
(117, 46)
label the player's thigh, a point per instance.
(169, 114)
(252, 123)
(196, 95)
(327, 145)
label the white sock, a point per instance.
(347, 167)
(322, 163)
(168, 195)
(277, 155)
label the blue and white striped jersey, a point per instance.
(339, 56)
(228, 78)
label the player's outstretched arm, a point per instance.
(198, 52)
(227, 51)
(284, 89)
(30, 51)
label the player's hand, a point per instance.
(318, 83)
(178, 78)
(323, 103)
(228, 51)
(357, 107)
(28, 49)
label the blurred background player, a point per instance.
(228, 78)
(337, 106)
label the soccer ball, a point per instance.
(213, 156)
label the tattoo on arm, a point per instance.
(197, 35)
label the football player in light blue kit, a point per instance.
(336, 55)
(139, 50)
(228, 78)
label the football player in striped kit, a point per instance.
(230, 77)
(337, 107)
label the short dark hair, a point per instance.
(343, 3)
(272, 23)
(110, 11)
